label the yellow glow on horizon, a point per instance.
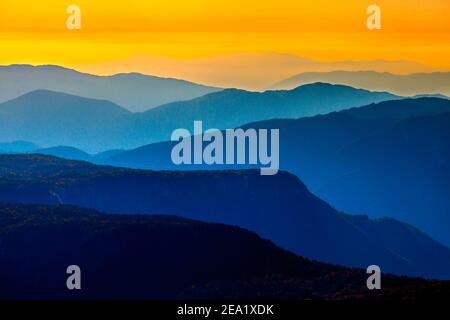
(34, 31)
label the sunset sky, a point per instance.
(35, 32)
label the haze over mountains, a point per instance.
(386, 159)
(279, 208)
(50, 119)
(330, 153)
(134, 91)
(380, 162)
(401, 84)
(249, 71)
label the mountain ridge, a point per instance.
(279, 208)
(367, 152)
(40, 120)
(135, 91)
(212, 266)
(400, 84)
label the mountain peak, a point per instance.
(399, 84)
(51, 97)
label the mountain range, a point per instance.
(386, 159)
(49, 119)
(86, 178)
(167, 257)
(279, 208)
(134, 91)
(249, 71)
(401, 84)
(65, 152)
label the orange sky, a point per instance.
(35, 31)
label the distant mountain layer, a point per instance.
(68, 153)
(278, 208)
(231, 108)
(65, 152)
(134, 91)
(251, 71)
(411, 84)
(51, 119)
(166, 257)
(319, 135)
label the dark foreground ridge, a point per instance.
(279, 208)
(162, 257)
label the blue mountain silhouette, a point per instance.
(278, 208)
(52, 119)
(386, 159)
(166, 257)
(134, 91)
